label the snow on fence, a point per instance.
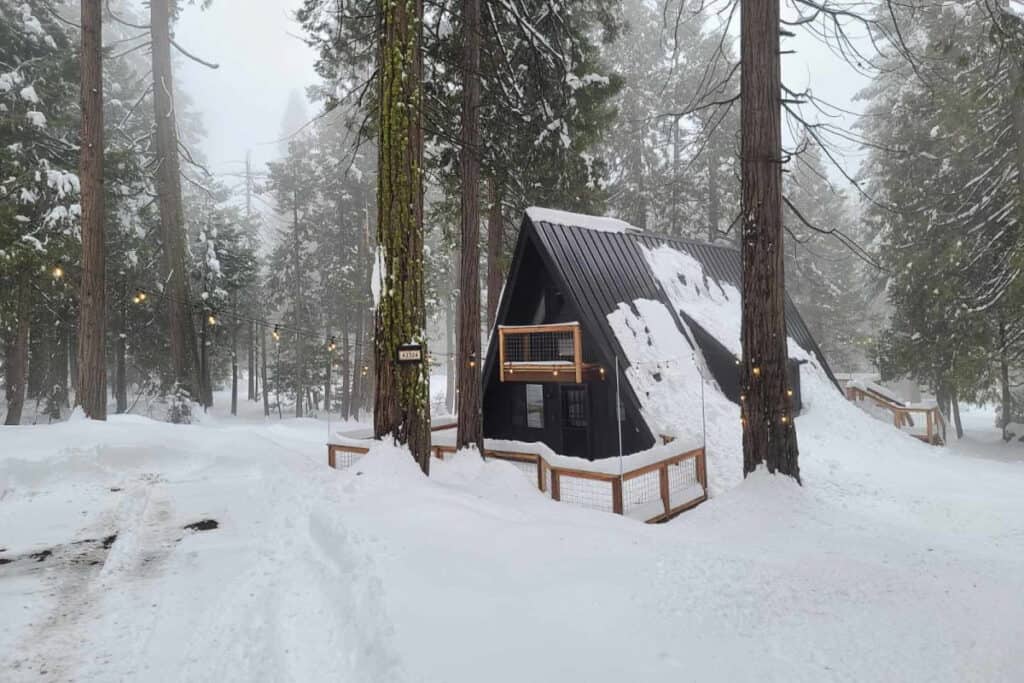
(653, 485)
(929, 425)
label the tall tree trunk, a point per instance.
(674, 224)
(253, 379)
(300, 348)
(954, 399)
(402, 403)
(470, 424)
(327, 381)
(277, 380)
(495, 247)
(184, 355)
(121, 355)
(345, 367)
(449, 345)
(266, 382)
(714, 206)
(92, 300)
(1006, 399)
(234, 364)
(769, 436)
(204, 371)
(359, 370)
(16, 361)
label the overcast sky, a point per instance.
(262, 60)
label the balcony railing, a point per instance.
(544, 353)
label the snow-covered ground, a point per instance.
(894, 561)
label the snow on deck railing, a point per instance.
(924, 422)
(650, 486)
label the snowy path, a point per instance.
(895, 561)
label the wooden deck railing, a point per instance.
(652, 493)
(934, 425)
(544, 353)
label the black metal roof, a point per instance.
(602, 268)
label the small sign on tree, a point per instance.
(410, 353)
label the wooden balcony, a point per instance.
(545, 353)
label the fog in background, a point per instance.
(262, 60)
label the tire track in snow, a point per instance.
(52, 649)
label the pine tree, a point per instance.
(402, 404)
(769, 436)
(92, 366)
(470, 427)
(178, 299)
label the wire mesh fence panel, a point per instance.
(539, 347)
(529, 469)
(683, 482)
(590, 493)
(641, 490)
(345, 459)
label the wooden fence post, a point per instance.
(577, 350)
(501, 352)
(556, 489)
(663, 485)
(617, 496)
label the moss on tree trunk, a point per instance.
(401, 405)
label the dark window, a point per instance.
(574, 407)
(535, 406)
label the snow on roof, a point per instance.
(539, 214)
(712, 304)
(678, 395)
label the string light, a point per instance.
(332, 343)
(756, 370)
(276, 334)
(789, 392)
(211, 319)
(58, 272)
(785, 419)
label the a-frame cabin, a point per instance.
(585, 295)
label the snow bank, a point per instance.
(894, 561)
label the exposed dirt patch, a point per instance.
(42, 555)
(203, 525)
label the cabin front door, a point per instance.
(576, 420)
